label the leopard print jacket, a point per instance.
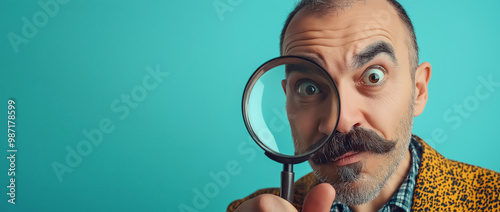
(441, 185)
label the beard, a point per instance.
(351, 185)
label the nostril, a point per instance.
(357, 125)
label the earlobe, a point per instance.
(422, 77)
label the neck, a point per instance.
(390, 187)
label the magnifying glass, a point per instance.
(291, 108)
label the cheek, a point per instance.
(389, 109)
(306, 121)
(375, 162)
(303, 127)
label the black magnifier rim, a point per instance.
(276, 156)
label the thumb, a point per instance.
(319, 199)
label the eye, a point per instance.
(307, 88)
(374, 75)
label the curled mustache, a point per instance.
(356, 140)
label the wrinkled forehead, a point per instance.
(355, 25)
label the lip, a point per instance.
(347, 158)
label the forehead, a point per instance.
(345, 31)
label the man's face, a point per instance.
(364, 49)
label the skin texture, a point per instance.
(387, 106)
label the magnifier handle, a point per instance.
(287, 176)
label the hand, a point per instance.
(319, 199)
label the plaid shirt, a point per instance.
(402, 199)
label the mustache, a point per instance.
(356, 140)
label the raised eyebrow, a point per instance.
(371, 52)
(290, 68)
(295, 68)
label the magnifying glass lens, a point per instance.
(290, 107)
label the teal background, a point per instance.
(158, 158)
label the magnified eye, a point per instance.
(374, 75)
(307, 88)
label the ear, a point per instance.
(422, 77)
(283, 84)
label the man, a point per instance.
(373, 162)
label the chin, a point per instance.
(352, 185)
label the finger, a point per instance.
(319, 199)
(266, 203)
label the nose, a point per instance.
(350, 114)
